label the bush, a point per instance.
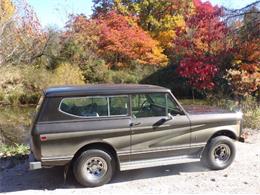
(94, 70)
(13, 98)
(13, 150)
(65, 74)
(122, 77)
(35, 79)
(135, 74)
(2, 96)
(24, 84)
(29, 98)
(252, 119)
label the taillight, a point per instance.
(43, 138)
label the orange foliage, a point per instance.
(122, 38)
(245, 76)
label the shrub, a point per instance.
(252, 118)
(13, 97)
(23, 84)
(94, 70)
(66, 74)
(2, 96)
(13, 150)
(29, 98)
(122, 77)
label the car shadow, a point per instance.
(19, 178)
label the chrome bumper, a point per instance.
(33, 163)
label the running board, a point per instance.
(157, 162)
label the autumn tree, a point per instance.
(122, 40)
(115, 38)
(244, 73)
(159, 18)
(7, 10)
(80, 47)
(200, 44)
(22, 39)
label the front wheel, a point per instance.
(93, 168)
(219, 153)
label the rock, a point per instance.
(213, 179)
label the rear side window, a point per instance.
(118, 105)
(95, 106)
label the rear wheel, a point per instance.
(219, 153)
(93, 168)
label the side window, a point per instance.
(85, 106)
(172, 106)
(148, 105)
(118, 105)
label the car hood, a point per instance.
(197, 109)
(208, 114)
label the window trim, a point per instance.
(96, 117)
(171, 97)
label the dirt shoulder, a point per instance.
(243, 176)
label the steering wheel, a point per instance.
(144, 106)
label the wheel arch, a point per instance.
(227, 133)
(98, 145)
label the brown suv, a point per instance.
(100, 128)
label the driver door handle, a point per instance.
(135, 124)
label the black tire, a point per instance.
(219, 153)
(87, 168)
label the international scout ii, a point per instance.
(98, 129)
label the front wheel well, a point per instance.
(227, 133)
(101, 146)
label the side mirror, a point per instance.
(169, 116)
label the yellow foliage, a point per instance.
(171, 23)
(179, 21)
(67, 74)
(166, 38)
(7, 10)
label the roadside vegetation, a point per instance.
(14, 150)
(204, 53)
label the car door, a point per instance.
(159, 128)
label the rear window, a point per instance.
(95, 106)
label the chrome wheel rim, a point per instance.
(95, 168)
(221, 153)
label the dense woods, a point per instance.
(194, 48)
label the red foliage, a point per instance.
(200, 44)
(199, 72)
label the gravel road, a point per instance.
(243, 176)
